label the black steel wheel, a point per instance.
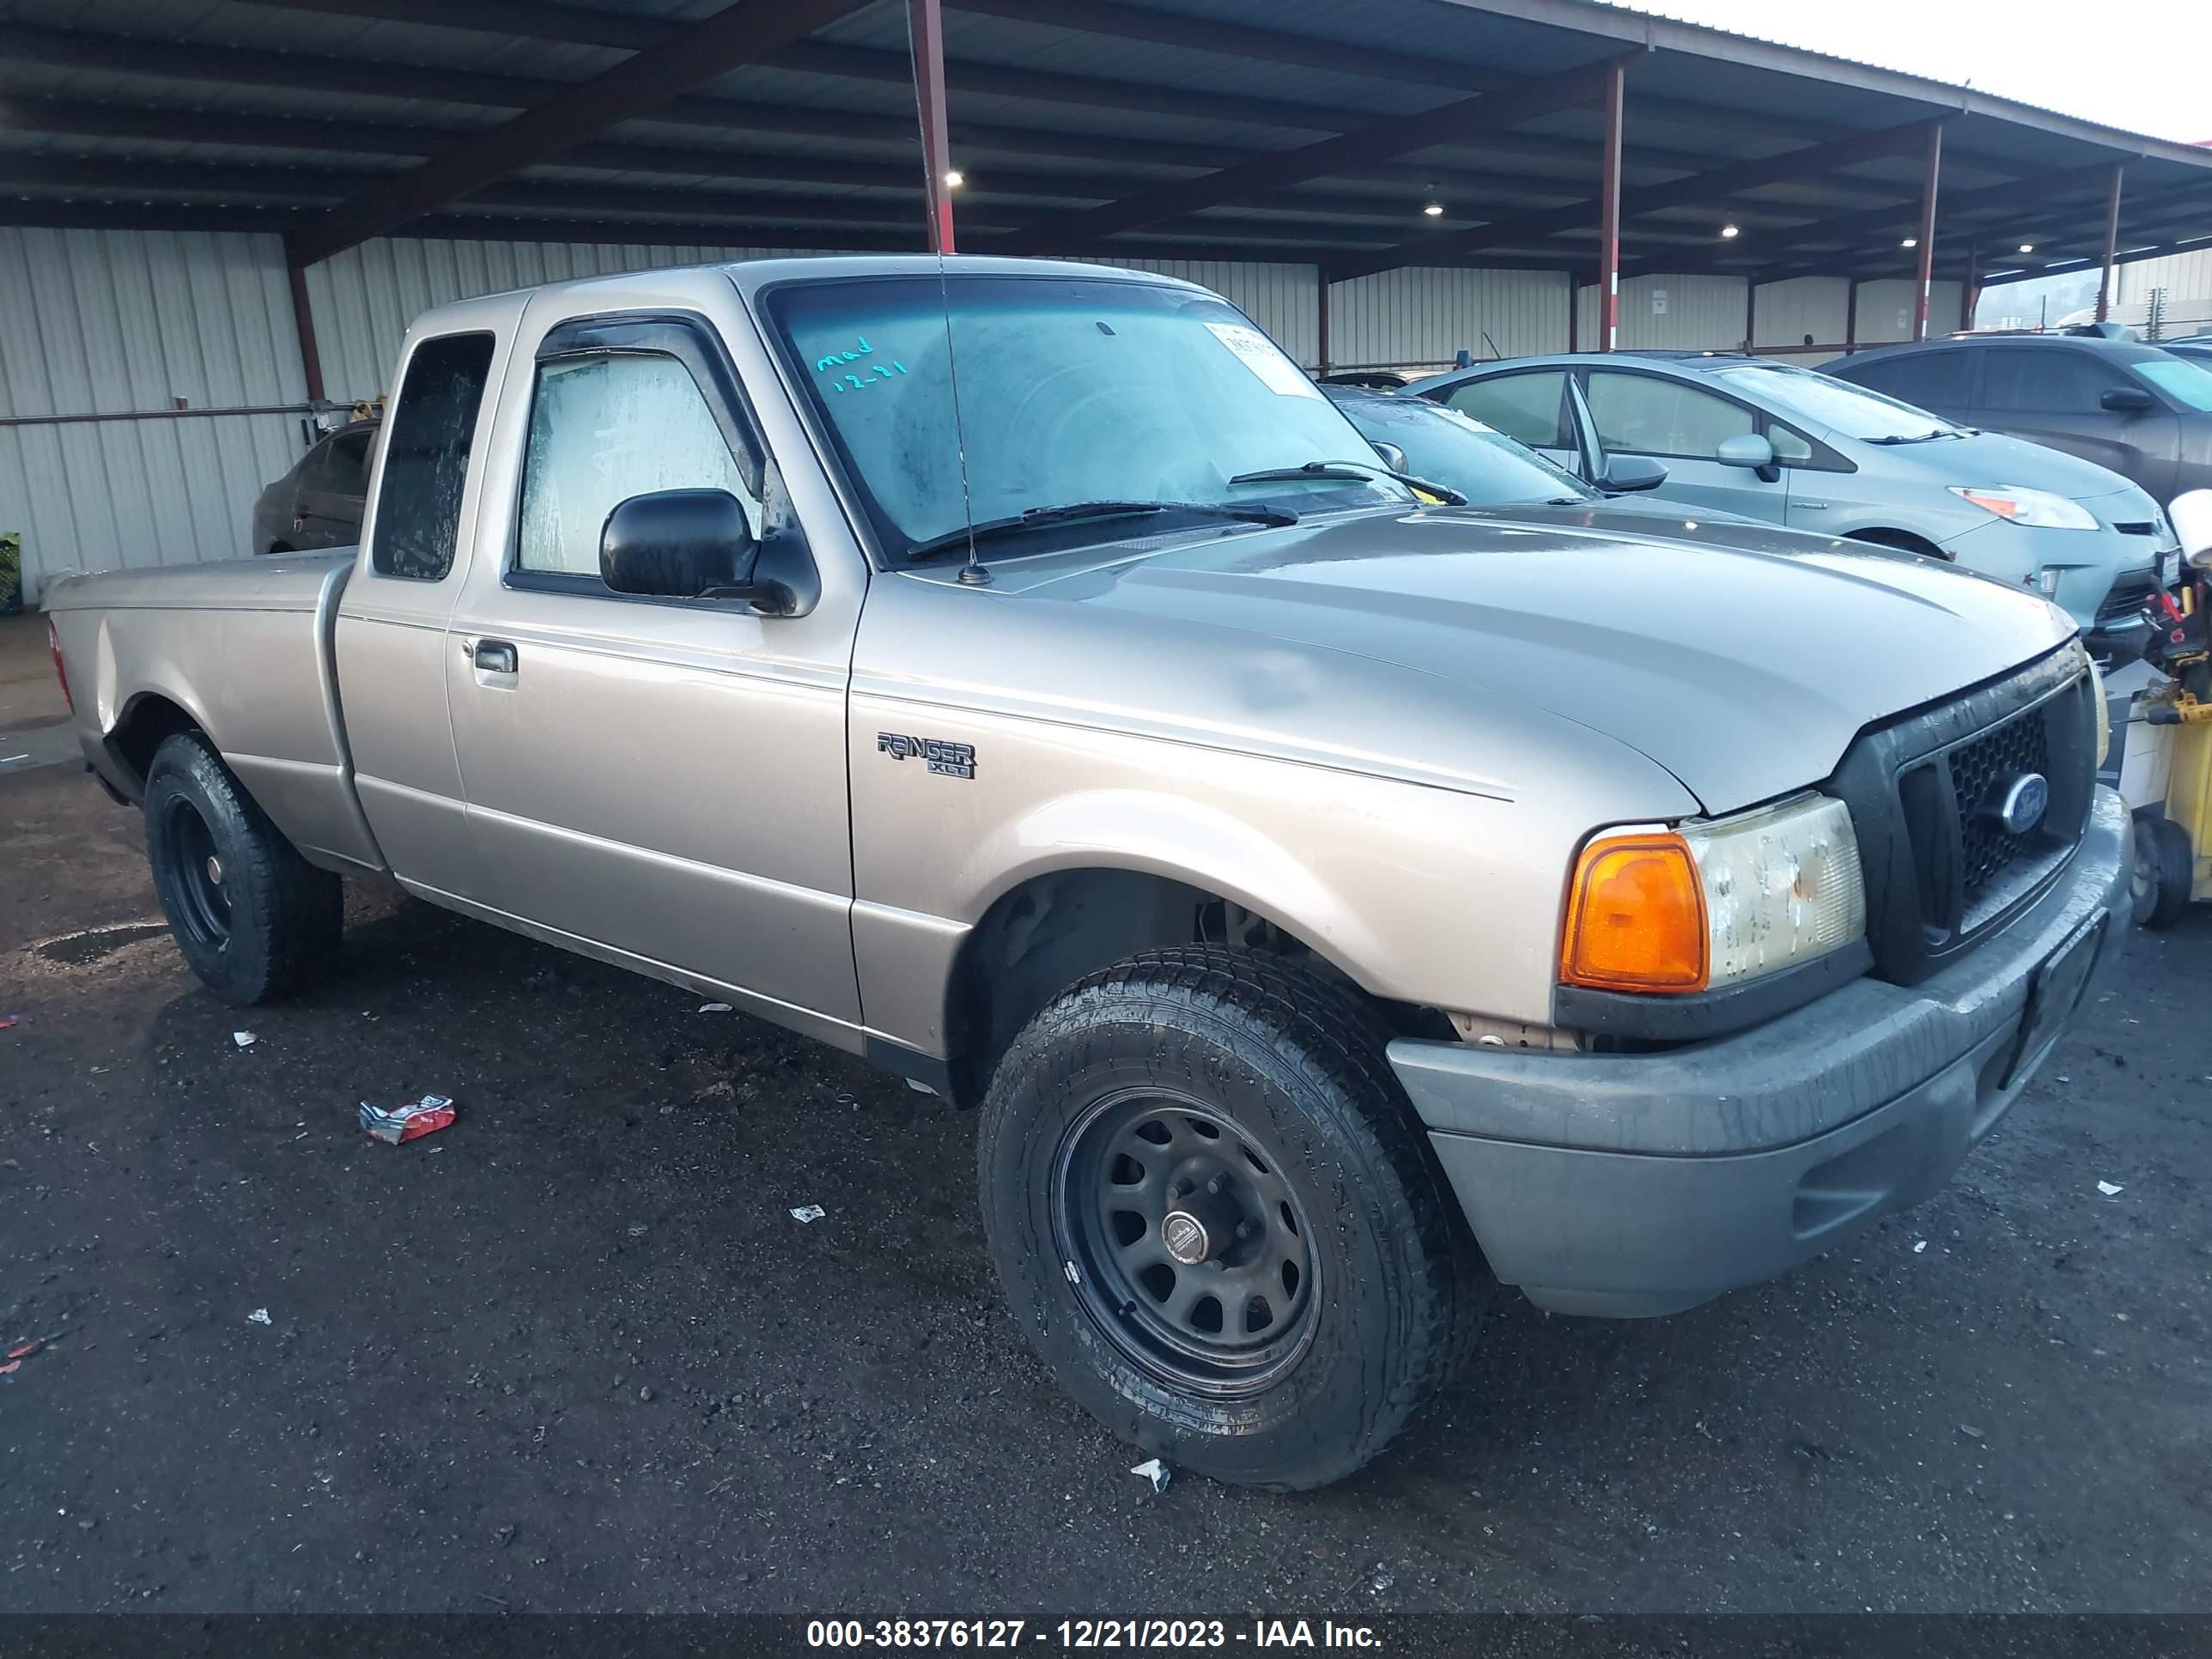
(254, 918)
(1190, 1245)
(1218, 1220)
(203, 903)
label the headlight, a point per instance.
(1712, 905)
(2037, 509)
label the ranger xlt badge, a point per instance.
(952, 760)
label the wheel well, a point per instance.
(1040, 937)
(150, 721)
(1904, 540)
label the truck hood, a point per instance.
(1742, 659)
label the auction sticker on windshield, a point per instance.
(1265, 358)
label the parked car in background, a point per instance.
(1430, 442)
(318, 502)
(1375, 380)
(1773, 442)
(2140, 410)
(2198, 348)
(1335, 905)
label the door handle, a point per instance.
(495, 656)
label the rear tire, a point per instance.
(1344, 1285)
(254, 919)
(2163, 869)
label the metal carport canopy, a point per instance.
(1307, 131)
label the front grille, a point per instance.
(2126, 603)
(1923, 790)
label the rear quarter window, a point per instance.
(426, 464)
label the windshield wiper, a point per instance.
(1077, 511)
(1351, 472)
(1917, 438)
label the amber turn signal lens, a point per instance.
(1635, 917)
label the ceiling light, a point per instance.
(1435, 209)
(954, 177)
(1910, 241)
(2027, 247)
(1729, 233)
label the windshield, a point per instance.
(1447, 447)
(2177, 377)
(1822, 400)
(1071, 390)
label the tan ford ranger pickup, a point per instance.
(1016, 673)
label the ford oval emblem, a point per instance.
(2025, 799)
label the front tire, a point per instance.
(1217, 1219)
(254, 919)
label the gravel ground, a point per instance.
(573, 1354)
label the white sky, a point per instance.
(2141, 65)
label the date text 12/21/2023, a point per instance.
(1084, 1635)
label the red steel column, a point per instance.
(1926, 275)
(2112, 242)
(303, 321)
(926, 31)
(1608, 221)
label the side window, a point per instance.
(603, 428)
(432, 427)
(345, 465)
(1788, 444)
(1645, 415)
(1524, 407)
(1926, 379)
(2032, 377)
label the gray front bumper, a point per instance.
(1627, 1185)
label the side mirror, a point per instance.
(2127, 399)
(1392, 457)
(2190, 514)
(1746, 449)
(1626, 474)
(679, 545)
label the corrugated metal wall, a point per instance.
(2184, 309)
(1420, 318)
(115, 322)
(1670, 313)
(1885, 309)
(1804, 307)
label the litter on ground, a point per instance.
(412, 1122)
(1921, 1247)
(809, 1212)
(1153, 1470)
(259, 1316)
(244, 1039)
(715, 1008)
(2109, 1189)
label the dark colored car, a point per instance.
(318, 503)
(1373, 379)
(2143, 413)
(2196, 350)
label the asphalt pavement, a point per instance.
(574, 1353)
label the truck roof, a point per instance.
(750, 276)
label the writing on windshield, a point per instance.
(1007, 393)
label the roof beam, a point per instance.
(1698, 187)
(738, 33)
(1467, 118)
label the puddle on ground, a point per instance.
(76, 950)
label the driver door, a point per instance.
(661, 778)
(1681, 426)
